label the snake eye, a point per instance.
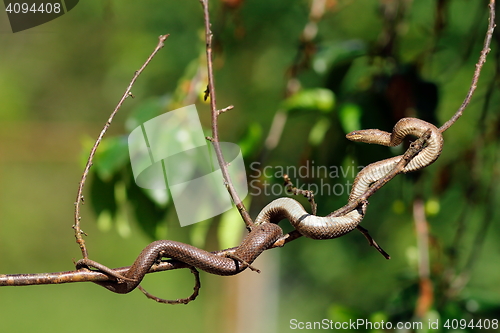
(354, 136)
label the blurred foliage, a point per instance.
(371, 63)
(310, 99)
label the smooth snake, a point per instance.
(266, 232)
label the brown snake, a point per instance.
(267, 232)
(403, 128)
(328, 227)
(219, 263)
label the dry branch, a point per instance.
(79, 195)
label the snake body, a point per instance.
(402, 129)
(311, 226)
(258, 240)
(328, 227)
(267, 232)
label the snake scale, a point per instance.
(267, 232)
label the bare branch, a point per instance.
(230, 107)
(477, 72)
(79, 195)
(215, 127)
(309, 195)
(372, 242)
(196, 291)
(87, 275)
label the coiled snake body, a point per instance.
(267, 232)
(258, 240)
(402, 129)
(331, 227)
(311, 226)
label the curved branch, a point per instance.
(475, 78)
(79, 195)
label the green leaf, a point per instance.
(335, 52)
(252, 139)
(148, 214)
(230, 228)
(378, 317)
(102, 196)
(432, 207)
(318, 131)
(161, 197)
(122, 222)
(111, 156)
(350, 117)
(340, 313)
(198, 233)
(311, 99)
(104, 220)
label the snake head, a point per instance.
(370, 136)
(354, 136)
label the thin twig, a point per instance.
(196, 291)
(482, 59)
(215, 128)
(372, 242)
(230, 107)
(239, 260)
(461, 279)
(79, 196)
(309, 195)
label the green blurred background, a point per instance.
(359, 64)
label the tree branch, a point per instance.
(215, 115)
(87, 275)
(475, 78)
(79, 195)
